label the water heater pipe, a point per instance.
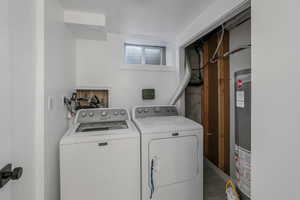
(181, 87)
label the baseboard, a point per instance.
(218, 171)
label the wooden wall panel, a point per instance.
(215, 104)
(211, 102)
(213, 128)
(223, 106)
(205, 100)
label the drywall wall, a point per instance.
(101, 64)
(59, 82)
(275, 99)
(22, 37)
(5, 95)
(240, 35)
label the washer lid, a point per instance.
(101, 126)
(73, 137)
(166, 124)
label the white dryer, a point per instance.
(171, 154)
(100, 157)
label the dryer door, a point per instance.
(173, 160)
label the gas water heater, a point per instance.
(243, 132)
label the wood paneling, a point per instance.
(205, 101)
(215, 106)
(223, 106)
(211, 102)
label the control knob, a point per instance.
(83, 114)
(122, 112)
(104, 113)
(140, 110)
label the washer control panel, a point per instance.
(101, 115)
(155, 111)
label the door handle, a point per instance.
(151, 184)
(153, 176)
(7, 174)
(209, 134)
(175, 134)
(101, 144)
(15, 174)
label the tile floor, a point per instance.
(214, 185)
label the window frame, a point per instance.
(143, 60)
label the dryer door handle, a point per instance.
(151, 176)
(154, 168)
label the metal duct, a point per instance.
(187, 77)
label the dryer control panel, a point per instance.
(154, 111)
(101, 115)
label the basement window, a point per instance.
(145, 54)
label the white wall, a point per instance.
(100, 64)
(240, 35)
(275, 99)
(59, 82)
(22, 35)
(5, 95)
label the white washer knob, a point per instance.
(83, 114)
(104, 113)
(146, 110)
(140, 110)
(91, 114)
(123, 112)
(116, 113)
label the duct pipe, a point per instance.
(181, 87)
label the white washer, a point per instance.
(171, 154)
(100, 157)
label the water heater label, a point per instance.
(239, 84)
(243, 170)
(240, 104)
(240, 99)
